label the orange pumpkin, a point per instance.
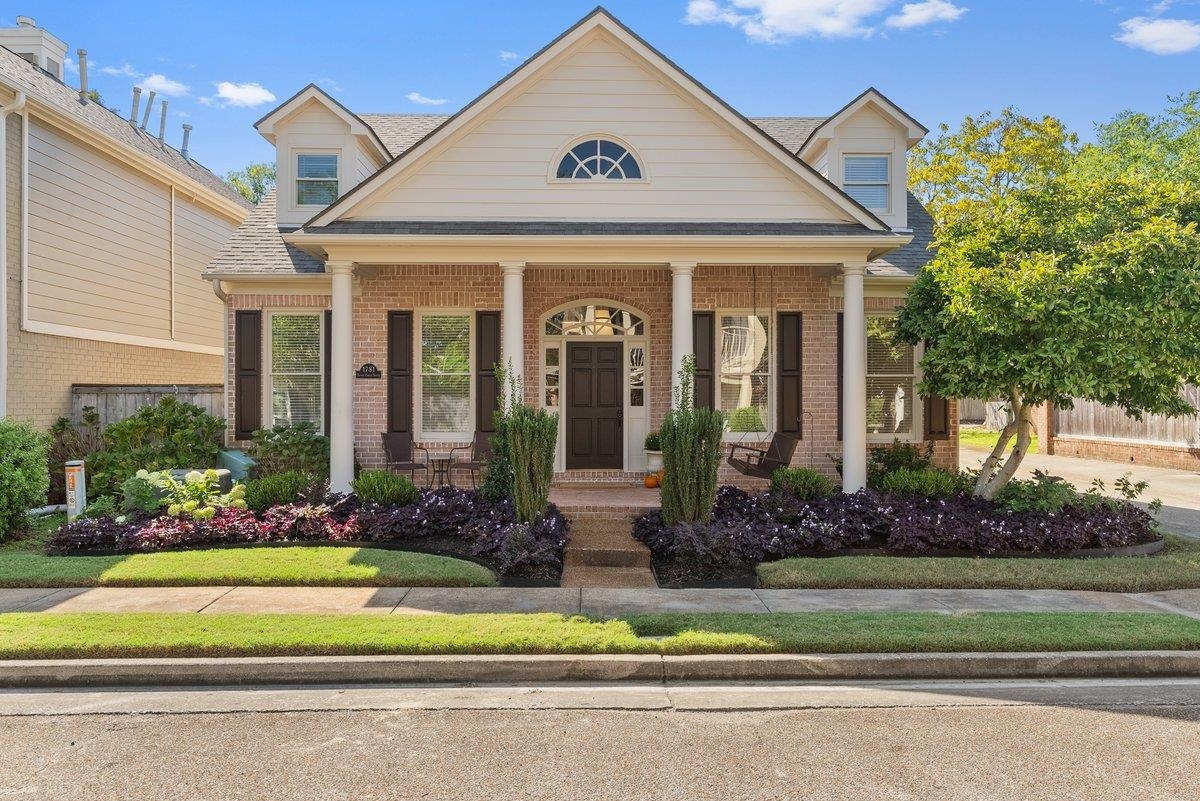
(651, 481)
(661, 475)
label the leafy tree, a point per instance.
(1052, 282)
(253, 182)
(1164, 146)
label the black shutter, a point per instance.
(399, 372)
(790, 382)
(247, 373)
(841, 372)
(937, 417)
(704, 326)
(487, 356)
(328, 363)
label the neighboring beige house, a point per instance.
(106, 231)
(591, 220)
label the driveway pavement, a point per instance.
(1179, 490)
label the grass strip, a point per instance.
(95, 634)
(1176, 567)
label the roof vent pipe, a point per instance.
(83, 87)
(162, 124)
(187, 132)
(149, 107)
(137, 100)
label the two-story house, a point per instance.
(106, 230)
(590, 221)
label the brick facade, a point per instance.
(647, 289)
(42, 367)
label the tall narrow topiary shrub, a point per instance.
(497, 470)
(529, 438)
(691, 447)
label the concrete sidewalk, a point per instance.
(598, 603)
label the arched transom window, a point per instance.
(596, 159)
(594, 321)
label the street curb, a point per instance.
(487, 669)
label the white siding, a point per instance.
(100, 248)
(99, 241)
(698, 167)
(869, 132)
(199, 235)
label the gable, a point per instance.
(495, 159)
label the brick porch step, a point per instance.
(607, 577)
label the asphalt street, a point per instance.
(1085, 739)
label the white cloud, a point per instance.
(779, 20)
(246, 95)
(422, 100)
(125, 70)
(1163, 37)
(508, 55)
(70, 65)
(160, 83)
(914, 15)
(330, 84)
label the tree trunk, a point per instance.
(991, 480)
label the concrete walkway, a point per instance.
(1179, 490)
(598, 603)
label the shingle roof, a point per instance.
(258, 246)
(43, 87)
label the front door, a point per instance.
(595, 408)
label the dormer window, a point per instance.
(316, 179)
(598, 159)
(865, 178)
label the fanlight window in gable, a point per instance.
(599, 159)
(594, 321)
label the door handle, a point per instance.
(620, 418)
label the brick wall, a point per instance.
(42, 367)
(648, 289)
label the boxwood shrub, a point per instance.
(24, 477)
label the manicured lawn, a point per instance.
(982, 438)
(1176, 567)
(23, 564)
(49, 635)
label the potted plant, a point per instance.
(654, 459)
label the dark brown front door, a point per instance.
(595, 439)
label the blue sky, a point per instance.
(227, 63)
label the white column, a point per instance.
(512, 322)
(341, 380)
(854, 379)
(681, 316)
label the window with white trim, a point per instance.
(891, 381)
(866, 179)
(316, 179)
(598, 159)
(744, 370)
(445, 402)
(296, 393)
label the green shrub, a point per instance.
(278, 489)
(69, 442)
(746, 419)
(104, 506)
(653, 441)
(692, 448)
(142, 492)
(285, 448)
(803, 483)
(928, 483)
(497, 468)
(198, 495)
(532, 436)
(884, 459)
(24, 479)
(381, 486)
(1042, 493)
(169, 435)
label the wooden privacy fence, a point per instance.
(1096, 421)
(115, 402)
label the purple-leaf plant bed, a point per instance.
(447, 521)
(747, 529)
